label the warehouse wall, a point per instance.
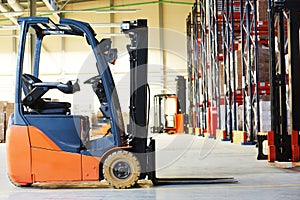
(63, 58)
(7, 66)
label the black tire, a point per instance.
(121, 169)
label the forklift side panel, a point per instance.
(38, 139)
(63, 130)
(19, 155)
(90, 168)
(49, 165)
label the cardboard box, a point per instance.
(8, 114)
(3, 105)
(239, 68)
(9, 106)
(265, 97)
(2, 132)
(263, 64)
(240, 117)
(2, 117)
(9, 110)
(262, 10)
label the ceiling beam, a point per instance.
(51, 6)
(6, 13)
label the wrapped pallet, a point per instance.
(265, 116)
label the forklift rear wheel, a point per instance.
(121, 169)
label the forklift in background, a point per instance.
(170, 110)
(167, 114)
(38, 151)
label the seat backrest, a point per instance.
(32, 94)
(28, 81)
(33, 98)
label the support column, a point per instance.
(162, 46)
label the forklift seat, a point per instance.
(34, 101)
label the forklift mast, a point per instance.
(285, 109)
(137, 128)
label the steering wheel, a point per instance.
(93, 80)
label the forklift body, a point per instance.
(47, 143)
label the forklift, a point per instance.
(167, 114)
(170, 110)
(46, 142)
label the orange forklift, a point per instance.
(167, 114)
(46, 142)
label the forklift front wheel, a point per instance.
(121, 169)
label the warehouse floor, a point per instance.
(181, 156)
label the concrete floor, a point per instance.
(181, 156)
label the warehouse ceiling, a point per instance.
(41, 3)
(10, 10)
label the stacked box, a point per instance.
(2, 126)
(265, 97)
(2, 136)
(220, 38)
(6, 109)
(3, 105)
(265, 116)
(239, 68)
(263, 64)
(262, 14)
(262, 11)
(240, 117)
(9, 111)
(237, 28)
